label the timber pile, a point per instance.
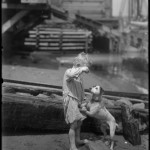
(55, 38)
(39, 107)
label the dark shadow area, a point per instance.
(30, 131)
(97, 44)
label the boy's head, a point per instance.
(81, 60)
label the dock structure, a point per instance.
(26, 15)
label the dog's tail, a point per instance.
(118, 127)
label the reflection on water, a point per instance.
(112, 66)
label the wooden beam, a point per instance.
(25, 6)
(34, 1)
(8, 24)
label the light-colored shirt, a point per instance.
(73, 84)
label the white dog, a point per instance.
(95, 108)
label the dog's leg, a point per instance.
(103, 129)
(112, 132)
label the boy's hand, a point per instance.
(83, 110)
(85, 69)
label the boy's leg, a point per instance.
(72, 130)
(77, 134)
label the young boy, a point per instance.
(73, 95)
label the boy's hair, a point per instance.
(82, 58)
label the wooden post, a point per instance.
(86, 44)
(61, 40)
(37, 38)
(13, 20)
(130, 126)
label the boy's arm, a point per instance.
(70, 73)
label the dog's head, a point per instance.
(97, 90)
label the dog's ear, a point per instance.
(101, 91)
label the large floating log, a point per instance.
(41, 107)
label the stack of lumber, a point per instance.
(45, 37)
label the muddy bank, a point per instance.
(60, 142)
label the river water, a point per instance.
(122, 66)
(115, 72)
(119, 70)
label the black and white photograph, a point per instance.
(75, 75)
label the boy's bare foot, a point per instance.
(82, 142)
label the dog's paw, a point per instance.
(107, 143)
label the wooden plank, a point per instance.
(63, 48)
(79, 8)
(49, 48)
(56, 40)
(45, 36)
(86, 12)
(73, 44)
(92, 16)
(60, 32)
(13, 20)
(57, 36)
(63, 44)
(34, 1)
(88, 1)
(24, 6)
(83, 4)
(57, 44)
(49, 28)
(42, 40)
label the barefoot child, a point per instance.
(73, 95)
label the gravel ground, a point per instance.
(60, 142)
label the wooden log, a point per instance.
(56, 44)
(22, 101)
(34, 1)
(57, 36)
(134, 100)
(49, 48)
(55, 40)
(81, 1)
(33, 90)
(61, 32)
(63, 48)
(47, 28)
(24, 7)
(13, 20)
(130, 126)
